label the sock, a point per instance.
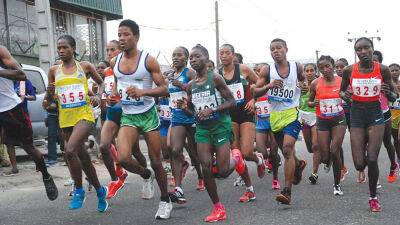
(370, 198)
(251, 189)
(179, 189)
(218, 205)
(165, 199)
(146, 174)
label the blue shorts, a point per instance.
(263, 125)
(364, 116)
(164, 126)
(292, 129)
(114, 114)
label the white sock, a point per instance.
(260, 160)
(251, 189)
(179, 189)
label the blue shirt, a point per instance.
(30, 90)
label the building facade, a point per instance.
(30, 28)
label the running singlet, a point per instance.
(140, 79)
(330, 103)
(304, 103)
(263, 108)
(175, 93)
(366, 87)
(109, 83)
(205, 96)
(73, 98)
(287, 97)
(237, 85)
(165, 111)
(8, 98)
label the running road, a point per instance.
(311, 204)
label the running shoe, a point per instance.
(260, 168)
(393, 174)
(268, 165)
(337, 190)
(177, 197)
(238, 181)
(313, 178)
(217, 214)
(111, 192)
(378, 185)
(51, 188)
(374, 205)
(164, 210)
(200, 185)
(185, 166)
(276, 185)
(12, 172)
(102, 204)
(361, 177)
(248, 196)
(299, 171)
(240, 164)
(148, 187)
(284, 197)
(343, 172)
(78, 199)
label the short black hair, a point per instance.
(394, 64)
(71, 40)
(326, 57)
(105, 62)
(279, 40)
(185, 51)
(115, 42)
(344, 61)
(366, 39)
(229, 46)
(132, 25)
(202, 49)
(379, 55)
(212, 62)
(311, 64)
(239, 57)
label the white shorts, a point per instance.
(307, 118)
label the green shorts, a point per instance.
(217, 133)
(146, 122)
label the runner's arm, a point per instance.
(249, 74)
(91, 70)
(50, 91)
(226, 94)
(13, 70)
(262, 84)
(161, 89)
(300, 75)
(312, 102)
(344, 94)
(387, 86)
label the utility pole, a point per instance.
(216, 35)
(317, 55)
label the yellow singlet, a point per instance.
(72, 96)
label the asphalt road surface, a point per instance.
(23, 200)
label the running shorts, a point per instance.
(114, 114)
(292, 129)
(364, 117)
(239, 115)
(17, 128)
(263, 125)
(307, 118)
(68, 130)
(328, 124)
(146, 122)
(217, 133)
(164, 126)
(387, 115)
(281, 119)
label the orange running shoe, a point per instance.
(111, 187)
(260, 168)
(298, 173)
(240, 164)
(248, 196)
(284, 197)
(393, 174)
(217, 214)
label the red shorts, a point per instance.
(17, 127)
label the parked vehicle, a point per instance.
(37, 114)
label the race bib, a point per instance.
(284, 94)
(330, 107)
(237, 91)
(263, 109)
(71, 96)
(366, 87)
(396, 104)
(175, 96)
(109, 83)
(201, 101)
(125, 99)
(165, 112)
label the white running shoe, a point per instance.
(337, 190)
(148, 187)
(164, 210)
(238, 182)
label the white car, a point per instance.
(39, 80)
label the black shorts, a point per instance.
(364, 116)
(239, 115)
(17, 128)
(328, 124)
(68, 130)
(387, 116)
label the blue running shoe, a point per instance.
(78, 199)
(102, 204)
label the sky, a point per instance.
(250, 25)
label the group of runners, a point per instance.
(224, 118)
